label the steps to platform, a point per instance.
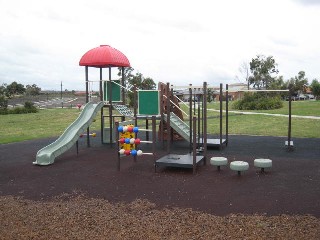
(180, 126)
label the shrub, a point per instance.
(3, 103)
(28, 108)
(258, 101)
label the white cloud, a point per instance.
(177, 41)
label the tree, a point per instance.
(14, 88)
(315, 87)
(33, 90)
(137, 80)
(262, 69)
(3, 89)
(244, 69)
(127, 74)
(3, 102)
(297, 83)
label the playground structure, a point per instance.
(70, 136)
(153, 105)
(128, 141)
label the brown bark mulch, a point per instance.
(79, 217)
(85, 197)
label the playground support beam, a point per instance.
(101, 99)
(110, 107)
(221, 112)
(168, 119)
(204, 125)
(190, 117)
(87, 100)
(289, 148)
(194, 149)
(227, 113)
(122, 89)
(154, 141)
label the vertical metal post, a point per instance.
(77, 146)
(123, 86)
(202, 117)
(147, 127)
(194, 150)
(171, 99)
(289, 124)
(161, 135)
(110, 107)
(154, 141)
(199, 118)
(87, 84)
(205, 122)
(135, 114)
(227, 114)
(194, 102)
(168, 119)
(135, 106)
(117, 143)
(190, 117)
(101, 99)
(221, 113)
(87, 100)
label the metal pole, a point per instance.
(101, 99)
(118, 144)
(168, 119)
(154, 141)
(110, 106)
(135, 105)
(205, 122)
(194, 152)
(221, 96)
(289, 124)
(123, 88)
(147, 127)
(161, 135)
(171, 100)
(87, 100)
(77, 146)
(199, 119)
(227, 114)
(190, 117)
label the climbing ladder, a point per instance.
(180, 126)
(123, 110)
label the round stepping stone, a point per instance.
(239, 166)
(262, 163)
(218, 161)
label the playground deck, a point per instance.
(290, 187)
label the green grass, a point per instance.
(52, 123)
(266, 126)
(45, 123)
(301, 108)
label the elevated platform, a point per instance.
(214, 142)
(177, 160)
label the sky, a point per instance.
(178, 41)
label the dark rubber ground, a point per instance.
(291, 186)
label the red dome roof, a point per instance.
(104, 56)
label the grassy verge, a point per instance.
(301, 108)
(266, 126)
(52, 123)
(45, 123)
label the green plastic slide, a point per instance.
(46, 155)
